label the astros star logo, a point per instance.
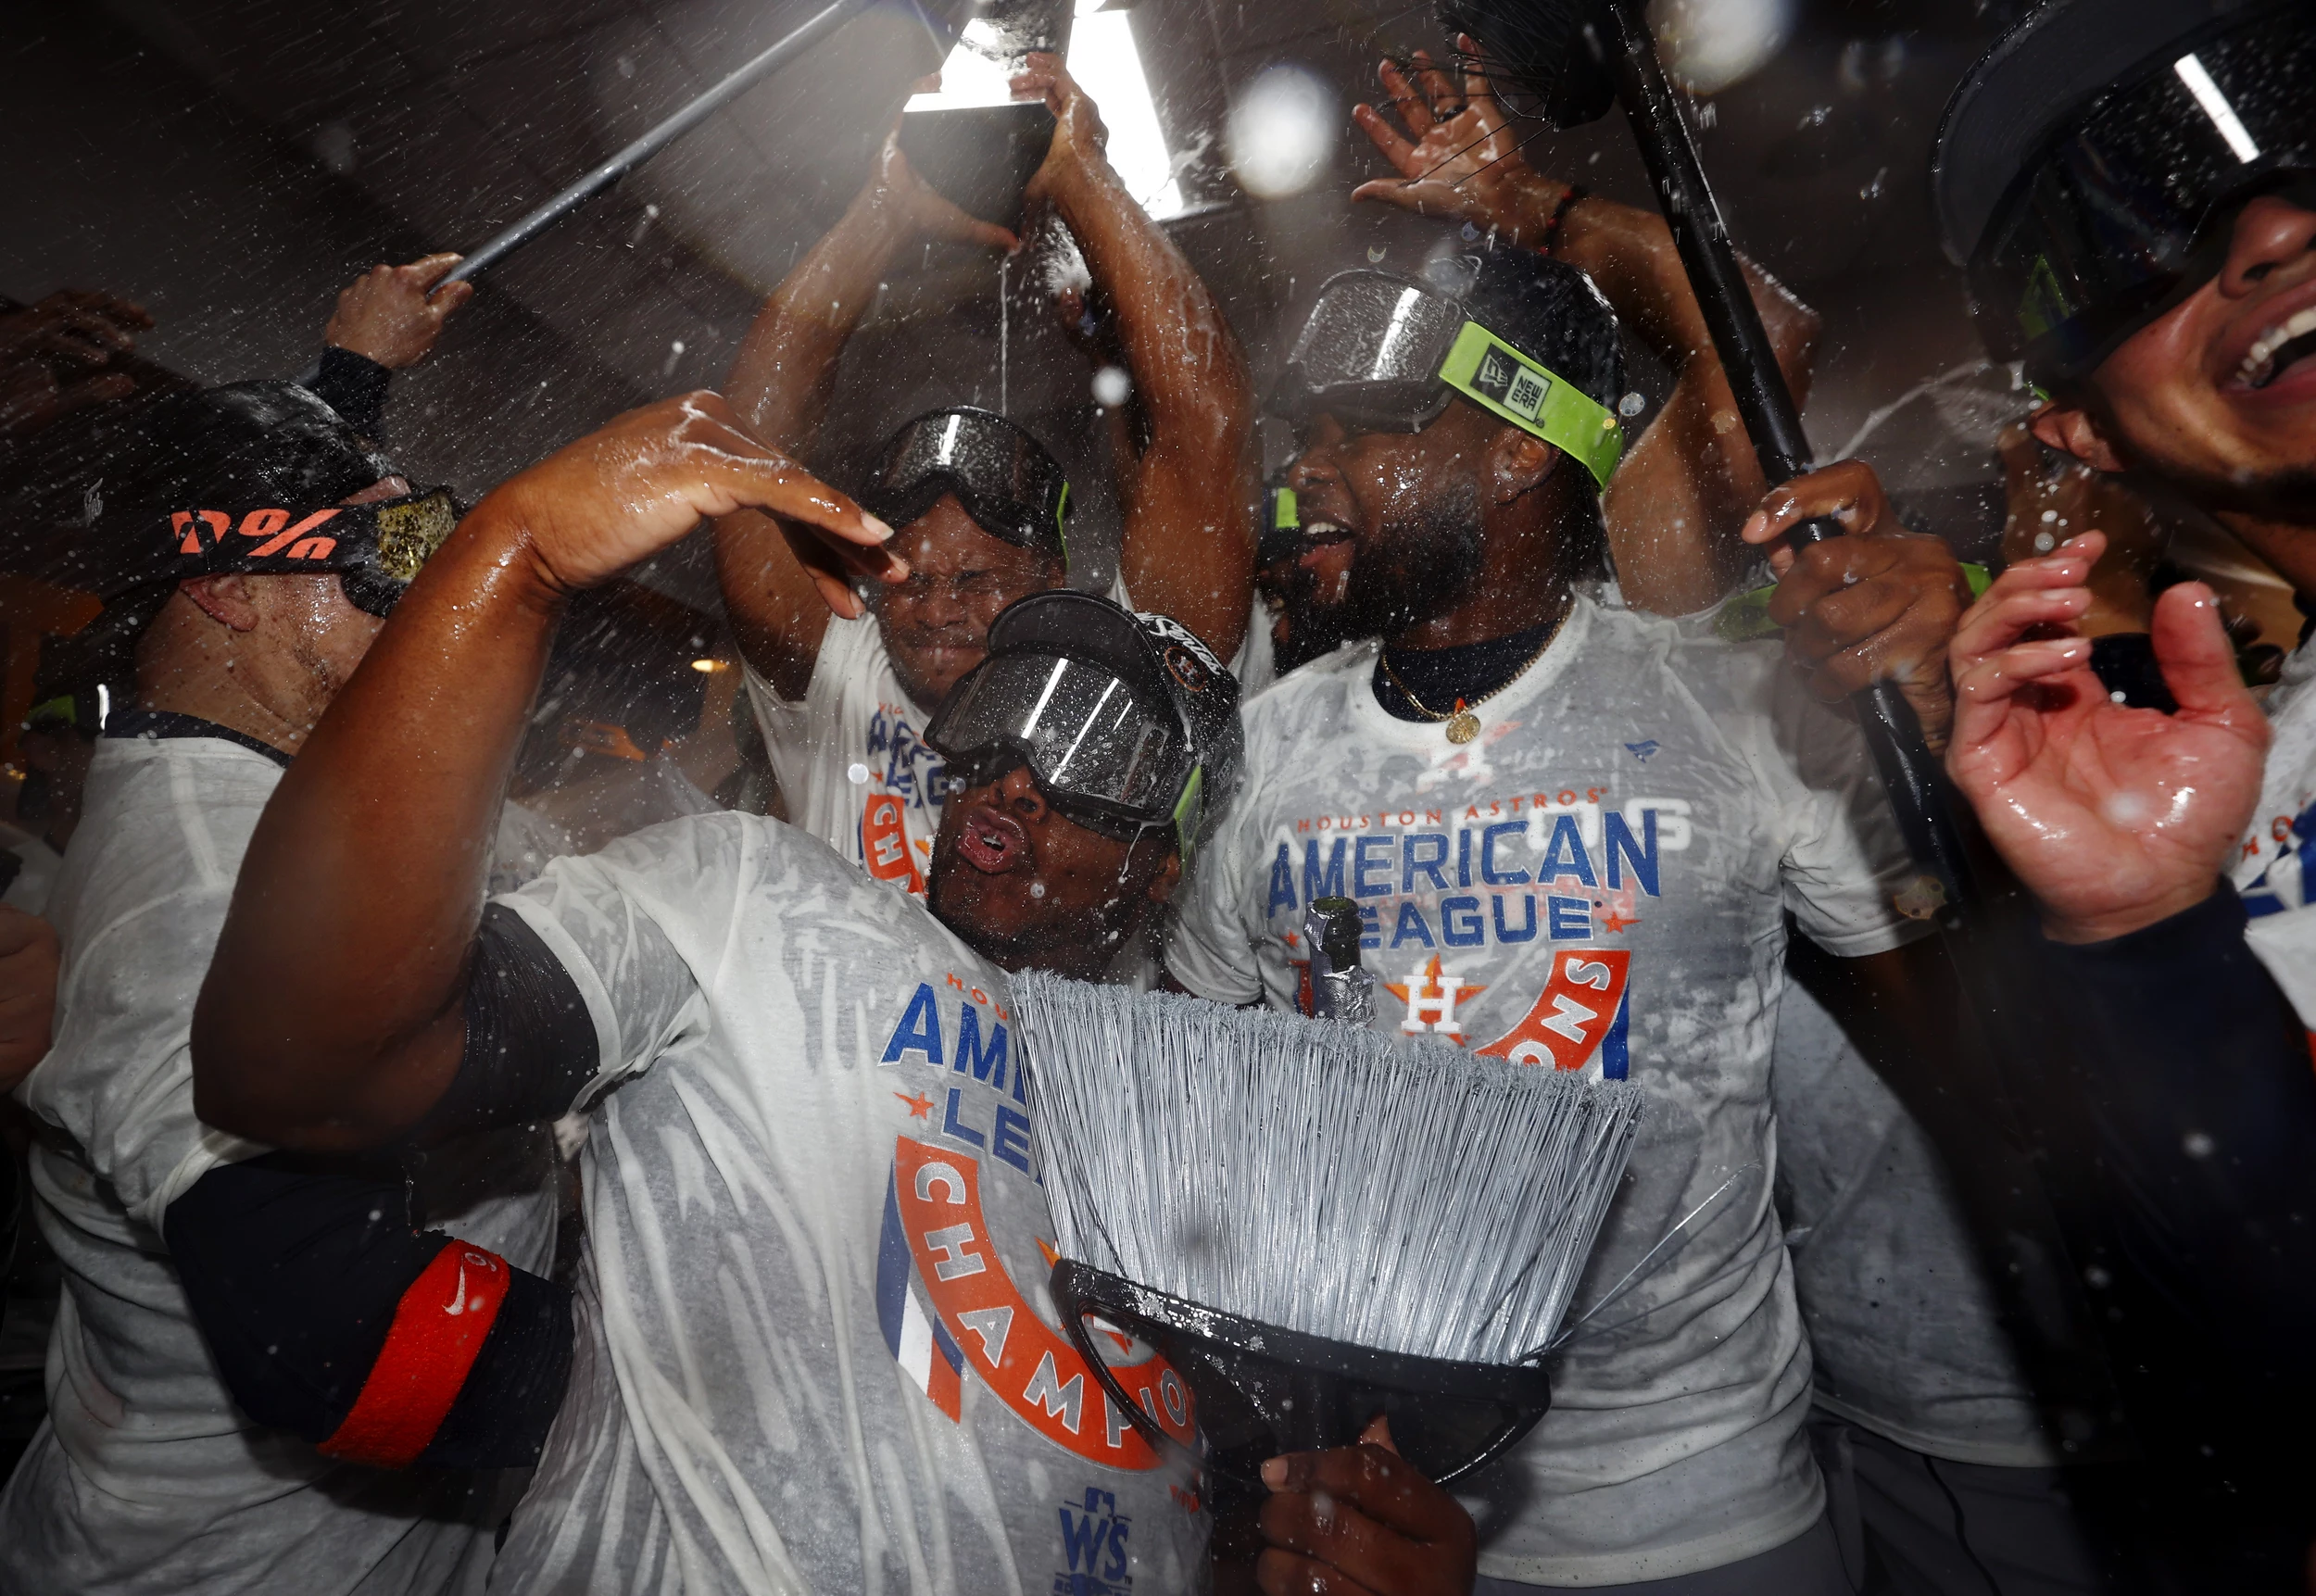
(1431, 995)
(920, 1106)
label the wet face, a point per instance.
(1391, 522)
(2218, 395)
(1029, 888)
(937, 623)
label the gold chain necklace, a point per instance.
(1462, 724)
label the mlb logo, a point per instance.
(1519, 388)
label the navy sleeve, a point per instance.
(294, 1268)
(355, 386)
(2179, 1138)
(531, 1046)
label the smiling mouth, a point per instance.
(990, 842)
(2278, 349)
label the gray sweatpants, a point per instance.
(1810, 1565)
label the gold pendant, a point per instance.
(1462, 727)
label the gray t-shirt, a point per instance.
(1597, 882)
(815, 1351)
(1900, 1314)
(146, 1478)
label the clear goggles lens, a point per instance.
(1085, 735)
(1006, 482)
(1371, 353)
(2120, 217)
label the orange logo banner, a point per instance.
(1572, 1015)
(1030, 1365)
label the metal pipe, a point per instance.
(782, 50)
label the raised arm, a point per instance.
(1188, 547)
(780, 386)
(1691, 478)
(332, 1017)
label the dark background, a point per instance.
(231, 164)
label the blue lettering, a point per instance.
(920, 1029)
(986, 1067)
(1411, 925)
(1642, 858)
(963, 1133)
(1488, 870)
(1526, 933)
(1009, 1140)
(1368, 855)
(1616, 1059)
(1370, 929)
(1409, 863)
(1315, 884)
(1463, 857)
(1461, 923)
(1082, 1538)
(1570, 919)
(1282, 884)
(1116, 1569)
(1566, 856)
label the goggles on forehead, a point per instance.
(1102, 755)
(1384, 354)
(1006, 481)
(376, 549)
(2130, 207)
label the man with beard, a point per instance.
(1574, 832)
(809, 1177)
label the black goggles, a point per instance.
(1384, 354)
(376, 549)
(1101, 755)
(1006, 481)
(2131, 207)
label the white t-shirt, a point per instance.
(1900, 1314)
(146, 1478)
(1598, 882)
(816, 1351)
(850, 754)
(2272, 869)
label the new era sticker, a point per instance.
(1520, 389)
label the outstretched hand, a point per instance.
(1362, 1521)
(1459, 156)
(1878, 604)
(643, 480)
(393, 314)
(2114, 818)
(53, 356)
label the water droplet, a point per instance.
(856, 772)
(1375, 254)
(1110, 386)
(2195, 1144)
(2044, 542)
(1630, 405)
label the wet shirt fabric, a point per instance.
(2275, 865)
(813, 1348)
(146, 1478)
(850, 754)
(1900, 1314)
(1597, 882)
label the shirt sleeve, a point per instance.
(606, 919)
(355, 386)
(1209, 950)
(1845, 861)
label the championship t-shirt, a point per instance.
(814, 1348)
(2275, 866)
(850, 754)
(146, 1478)
(1597, 882)
(1900, 1314)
